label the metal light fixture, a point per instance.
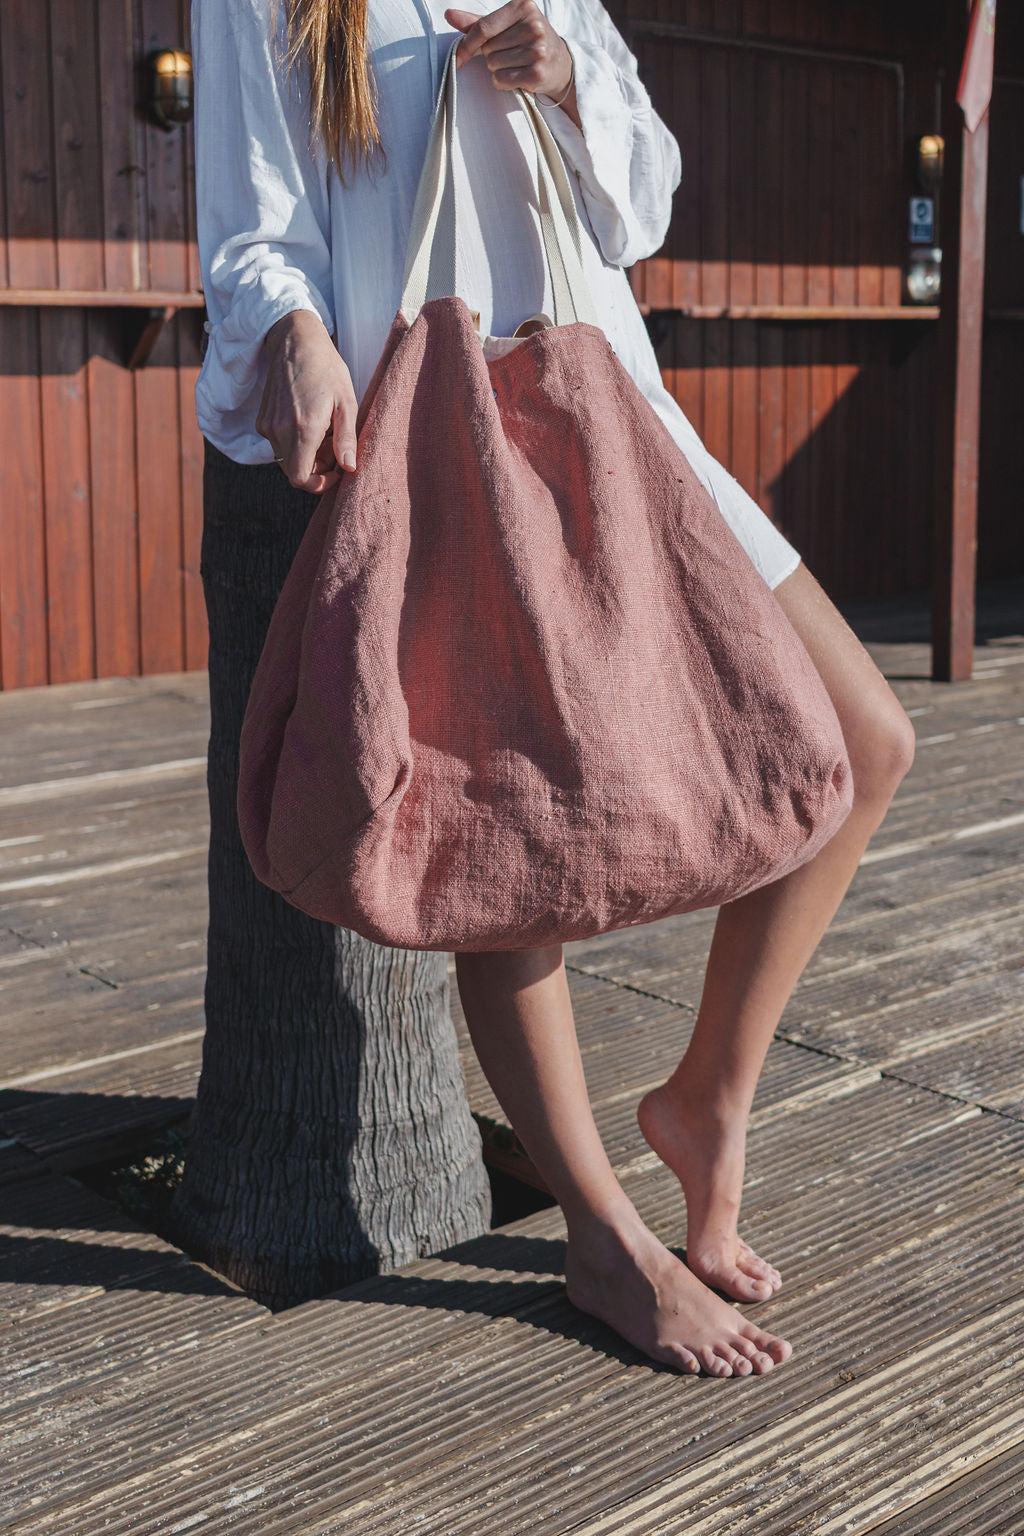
(924, 275)
(170, 88)
(924, 258)
(930, 150)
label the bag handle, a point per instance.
(430, 270)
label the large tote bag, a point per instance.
(522, 683)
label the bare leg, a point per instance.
(520, 1018)
(697, 1120)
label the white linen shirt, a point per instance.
(278, 230)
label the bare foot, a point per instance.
(707, 1159)
(619, 1271)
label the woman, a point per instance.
(302, 249)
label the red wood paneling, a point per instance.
(1004, 265)
(101, 473)
(744, 383)
(188, 149)
(158, 23)
(161, 613)
(1001, 468)
(771, 442)
(821, 128)
(67, 508)
(187, 336)
(827, 426)
(793, 174)
(685, 275)
(101, 504)
(742, 133)
(799, 213)
(717, 394)
(96, 195)
(762, 232)
(78, 177)
(793, 190)
(23, 634)
(796, 195)
(113, 457)
(122, 140)
(713, 149)
(28, 145)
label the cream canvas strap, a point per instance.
(431, 269)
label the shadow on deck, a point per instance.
(463, 1394)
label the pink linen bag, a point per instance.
(522, 683)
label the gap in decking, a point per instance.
(517, 1189)
(142, 1179)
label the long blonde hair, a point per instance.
(330, 36)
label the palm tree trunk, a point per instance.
(331, 1138)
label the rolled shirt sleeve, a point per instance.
(626, 160)
(262, 212)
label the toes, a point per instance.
(752, 1264)
(743, 1286)
(768, 1350)
(778, 1349)
(682, 1358)
(746, 1278)
(737, 1363)
(759, 1361)
(758, 1287)
(712, 1361)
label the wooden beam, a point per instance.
(108, 298)
(796, 312)
(958, 372)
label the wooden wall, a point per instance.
(100, 467)
(1001, 470)
(794, 120)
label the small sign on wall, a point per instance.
(922, 221)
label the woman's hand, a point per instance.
(308, 410)
(521, 49)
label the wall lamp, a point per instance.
(170, 88)
(924, 261)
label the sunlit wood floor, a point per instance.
(462, 1394)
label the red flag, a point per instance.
(975, 89)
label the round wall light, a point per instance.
(170, 87)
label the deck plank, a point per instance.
(421, 1445)
(60, 1242)
(886, 1162)
(443, 1322)
(986, 1501)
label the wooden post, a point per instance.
(958, 380)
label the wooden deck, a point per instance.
(462, 1394)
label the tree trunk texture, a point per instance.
(331, 1138)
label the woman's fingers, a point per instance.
(480, 29)
(334, 452)
(344, 434)
(325, 471)
(524, 69)
(516, 37)
(461, 21)
(308, 411)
